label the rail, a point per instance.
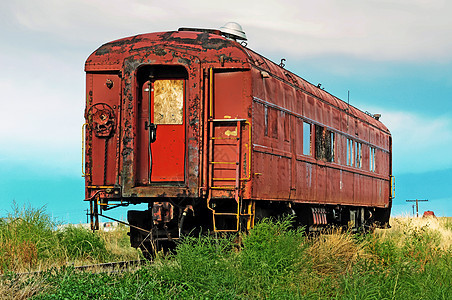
(114, 266)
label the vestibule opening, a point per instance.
(161, 133)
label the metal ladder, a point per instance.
(225, 219)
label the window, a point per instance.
(306, 138)
(266, 121)
(350, 152)
(358, 154)
(333, 146)
(372, 159)
(324, 144)
(354, 153)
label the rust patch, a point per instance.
(184, 61)
(109, 47)
(160, 51)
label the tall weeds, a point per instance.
(27, 239)
(274, 261)
(30, 241)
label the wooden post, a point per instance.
(417, 205)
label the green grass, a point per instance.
(30, 241)
(413, 260)
(27, 238)
(82, 244)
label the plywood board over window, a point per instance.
(324, 144)
(168, 101)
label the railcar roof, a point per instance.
(205, 45)
(265, 64)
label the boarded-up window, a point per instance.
(273, 122)
(358, 155)
(286, 117)
(168, 101)
(324, 144)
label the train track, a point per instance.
(113, 266)
(110, 267)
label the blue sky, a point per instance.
(395, 58)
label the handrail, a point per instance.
(249, 152)
(210, 93)
(83, 149)
(393, 186)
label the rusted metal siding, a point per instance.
(130, 162)
(194, 51)
(302, 178)
(275, 103)
(231, 101)
(103, 94)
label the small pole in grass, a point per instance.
(417, 205)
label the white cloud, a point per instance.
(43, 91)
(379, 30)
(420, 143)
(41, 111)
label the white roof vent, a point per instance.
(234, 31)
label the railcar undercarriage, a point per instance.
(168, 220)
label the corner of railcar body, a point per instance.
(120, 79)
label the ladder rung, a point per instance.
(227, 120)
(224, 187)
(221, 138)
(224, 162)
(226, 214)
(228, 179)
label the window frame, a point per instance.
(305, 126)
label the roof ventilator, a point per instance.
(233, 31)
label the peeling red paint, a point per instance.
(225, 81)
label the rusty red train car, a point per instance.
(213, 136)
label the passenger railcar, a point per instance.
(212, 136)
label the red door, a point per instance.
(161, 132)
(167, 118)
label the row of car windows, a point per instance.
(325, 145)
(325, 141)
